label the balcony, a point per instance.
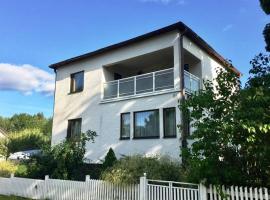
(154, 82)
(192, 82)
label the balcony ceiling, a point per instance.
(154, 61)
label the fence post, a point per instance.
(202, 192)
(45, 189)
(87, 178)
(143, 187)
(10, 185)
(170, 189)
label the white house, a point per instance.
(129, 92)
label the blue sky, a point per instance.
(35, 34)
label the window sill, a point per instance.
(168, 137)
(127, 138)
(150, 137)
(70, 93)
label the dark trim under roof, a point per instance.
(177, 26)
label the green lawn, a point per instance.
(2, 197)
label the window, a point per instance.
(146, 124)
(169, 119)
(76, 82)
(74, 127)
(125, 126)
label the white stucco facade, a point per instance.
(104, 117)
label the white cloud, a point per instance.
(180, 2)
(26, 79)
(227, 27)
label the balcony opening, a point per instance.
(150, 72)
(193, 72)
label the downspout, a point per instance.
(55, 72)
(182, 94)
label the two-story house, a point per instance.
(129, 92)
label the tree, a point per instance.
(265, 5)
(266, 33)
(232, 128)
(27, 139)
(110, 159)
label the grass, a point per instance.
(2, 197)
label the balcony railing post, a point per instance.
(190, 82)
(154, 85)
(118, 88)
(135, 88)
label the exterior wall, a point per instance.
(208, 64)
(104, 118)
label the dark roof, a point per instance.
(177, 26)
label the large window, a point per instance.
(76, 82)
(146, 124)
(125, 126)
(169, 119)
(74, 127)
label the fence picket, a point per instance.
(266, 193)
(261, 194)
(241, 193)
(256, 193)
(211, 192)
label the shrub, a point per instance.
(7, 168)
(22, 170)
(129, 169)
(110, 159)
(62, 161)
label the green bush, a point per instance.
(22, 170)
(7, 168)
(129, 169)
(62, 161)
(110, 159)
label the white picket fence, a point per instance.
(237, 193)
(147, 189)
(67, 190)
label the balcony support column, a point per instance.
(181, 84)
(177, 62)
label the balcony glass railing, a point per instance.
(147, 83)
(192, 82)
